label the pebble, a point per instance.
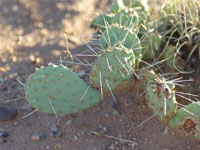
(115, 112)
(35, 138)
(75, 137)
(2, 140)
(43, 136)
(68, 122)
(54, 129)
(54, 132)
(165, 131)
(81, 73)
(1, 79)
(4, 134)
(7, 112)
(15, 123)
(105, 129)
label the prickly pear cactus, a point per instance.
(125, 19)
(161, 98)
(188, 119)
(113, 70)
(55, 89)
(141, 5)
(103, 20)
(151, 45)
(125, 14)
(169, 56)
(173, 60)
(115, 36)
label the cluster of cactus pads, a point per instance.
(125, 42)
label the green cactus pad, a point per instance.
(171, 62)
(56, 88)
(101, 21)
(161, 98)
(115, 67)
(125, 19)
(116, 36)
(151, 45)
(188, 119)
(140, 5)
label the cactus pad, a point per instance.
(188, 119)
(57, 89)
(151, 45)
(140, 5)
(116, 36)
(161, 98)
(115, 67)
(101, 21)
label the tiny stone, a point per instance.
(4, 134)
(100, 126)
(81, 73)
(68, 122)
(43, 136)
(7, 112)
(115, 112)
(104, 129)
(1, 79)
(2, 140)
(54, 129)
(75, 137)
(47, 147)
(35, 138)
(166, 131)
(15, 123)
(112, 148)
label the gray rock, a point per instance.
(7, 112)
(4, 134)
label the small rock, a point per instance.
(15, 123)
(2, 140)
(47, 147)
(1, 79)
(165, 131)
(4, 134)
(54, 129)
(81, 73)
(7, 112)
(35, 138)
(111, 148)
(105, 129)
(115, 112)
(68, 122)
(43, 136)
(75, 137)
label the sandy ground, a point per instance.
(31, 35)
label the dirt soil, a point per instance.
(32, 35)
